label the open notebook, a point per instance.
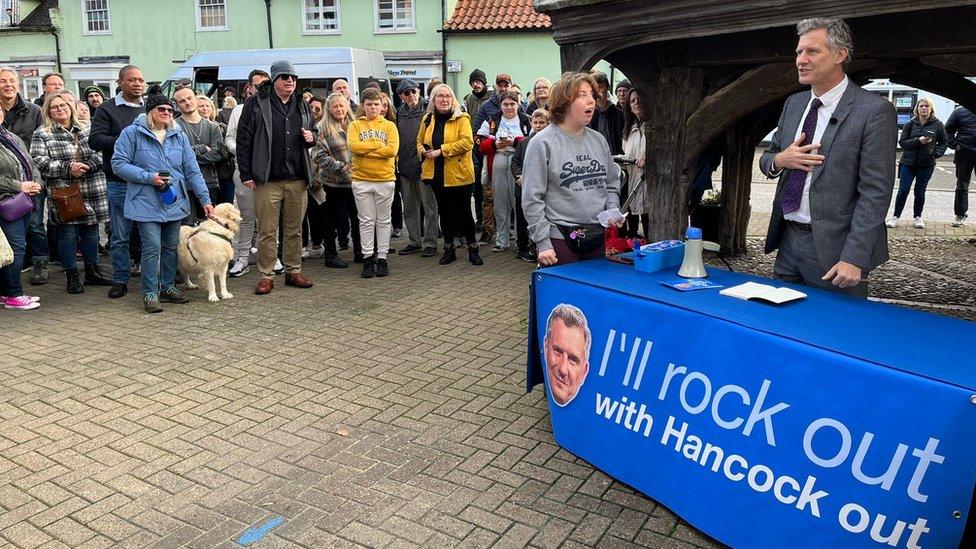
(762, 292)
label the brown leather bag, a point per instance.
(68, 200)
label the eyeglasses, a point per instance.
(60, 107)
(164, 109)
(411, 91)
(290, 77)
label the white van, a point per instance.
(317, 68)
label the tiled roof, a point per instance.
(474, 15)
(39, 20)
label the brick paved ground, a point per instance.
(389, 412)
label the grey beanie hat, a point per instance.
(282, 68)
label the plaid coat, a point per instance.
(54, 149)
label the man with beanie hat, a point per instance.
(623, 93)
(94, 96)
(273, 138)
(107, 124)
(472, 104)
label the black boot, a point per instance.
(74, 281)
(473, 256)
(95, 277)
(40, 273)
(369, 267)
(382, 268)
(449, 255)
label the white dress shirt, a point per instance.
(829, 100)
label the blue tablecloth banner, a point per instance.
(828, 422)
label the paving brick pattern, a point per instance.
(382, 413)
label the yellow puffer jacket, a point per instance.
(457, 146)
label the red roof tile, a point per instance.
(473, 15)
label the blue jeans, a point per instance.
(36, 234)
(921, 175)
(16, 233)
(159, 241)
(123, 239)
(68, 244)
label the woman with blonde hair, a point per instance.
(540, 95)
(332, 171)
(923, 140)
(444, 143)
(64, 159)
(227, 108)
(206, 108)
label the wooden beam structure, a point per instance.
(714, 69)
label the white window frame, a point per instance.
(198, 13)
(395, 30)
(5, 21)
(84, 20)
(337, 30)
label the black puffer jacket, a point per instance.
(961, 128)
(914, 153)
(22, 119)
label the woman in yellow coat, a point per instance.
(444, 144)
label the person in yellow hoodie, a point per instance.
(374, 144)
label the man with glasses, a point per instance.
(273, 138)
(107, 124)
(416, 193)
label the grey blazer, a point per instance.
(850, 192)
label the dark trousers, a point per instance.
(226, 193)
(906, 174)
(340, 208)
(454, 209)
(965, 163)
(521, 225)
(797, 262)
(313, 230)
(16, 233)
(38, 246)
(396, 214)
(565, 254)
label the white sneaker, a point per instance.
(959, 221)
(304, 253)
(278, 268)
(892, 223)
(313, 253)
(239, 268)
(918, 223)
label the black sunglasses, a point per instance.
(288, 77)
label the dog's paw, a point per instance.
(190, 286)
(226, 295)
(212, 298)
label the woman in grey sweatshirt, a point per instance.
(569, 177)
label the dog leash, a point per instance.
(202, 230)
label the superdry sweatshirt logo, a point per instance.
(590, 171)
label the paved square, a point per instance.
(385, 412)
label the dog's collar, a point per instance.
(217, 220)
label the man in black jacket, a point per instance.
(416, 193)
(22, 118)
(608, 118)
(961, 129)
(107, 124)
(273, 138)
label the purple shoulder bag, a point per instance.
(15, 207)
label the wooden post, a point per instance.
(669, 101)
(736, 187)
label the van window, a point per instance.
(383, 82)
(205, 80)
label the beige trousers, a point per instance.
(272, 200)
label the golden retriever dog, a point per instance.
(205, 250)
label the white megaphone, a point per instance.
(692, 265)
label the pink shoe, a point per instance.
(32, 298)
(23, 303)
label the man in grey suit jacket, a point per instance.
(834, 155)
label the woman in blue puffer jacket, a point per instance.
(154, 156)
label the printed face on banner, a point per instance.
(567, 349)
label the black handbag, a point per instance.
(582, 239)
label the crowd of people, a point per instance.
(313, 176)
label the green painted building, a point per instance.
(91, 39)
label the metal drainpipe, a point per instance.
(57, 49)
(443, 43)
(267, 8)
